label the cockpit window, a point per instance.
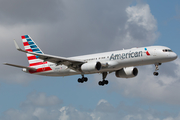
(167, 50)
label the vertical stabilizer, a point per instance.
(31, 46)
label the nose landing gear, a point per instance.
(156, 69)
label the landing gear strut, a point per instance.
(83, 79)
(103, 82)
(156, 69)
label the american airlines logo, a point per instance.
(126, 55)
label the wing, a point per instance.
(70, 63)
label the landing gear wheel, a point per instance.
(80, 80)
(156, 73)
(105, 82)
(85, 79)
(101, 83)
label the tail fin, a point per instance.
(30, 45)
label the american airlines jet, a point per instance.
(121, 62)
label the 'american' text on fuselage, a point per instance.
(126, 55)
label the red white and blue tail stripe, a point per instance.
(31, 46)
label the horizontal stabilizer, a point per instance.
(19, 66)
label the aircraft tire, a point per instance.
(155, 73)
(101, 83)
(106, 82)
(80, 80)
(85, 79)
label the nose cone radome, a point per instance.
(173, 56)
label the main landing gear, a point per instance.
(83, 79)
(103, 82)
(156, 69)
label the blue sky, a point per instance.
(68, 28)
(167, 16)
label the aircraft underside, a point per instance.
(122, 72)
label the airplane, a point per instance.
(122, 62)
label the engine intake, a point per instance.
(91, 67)
(128, 72)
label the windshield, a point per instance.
(167, 50)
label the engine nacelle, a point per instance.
(128, 72)
(91, 67)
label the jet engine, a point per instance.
(91, 67)
(128, 72)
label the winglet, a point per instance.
(17, 47)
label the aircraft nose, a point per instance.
(173, 55)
